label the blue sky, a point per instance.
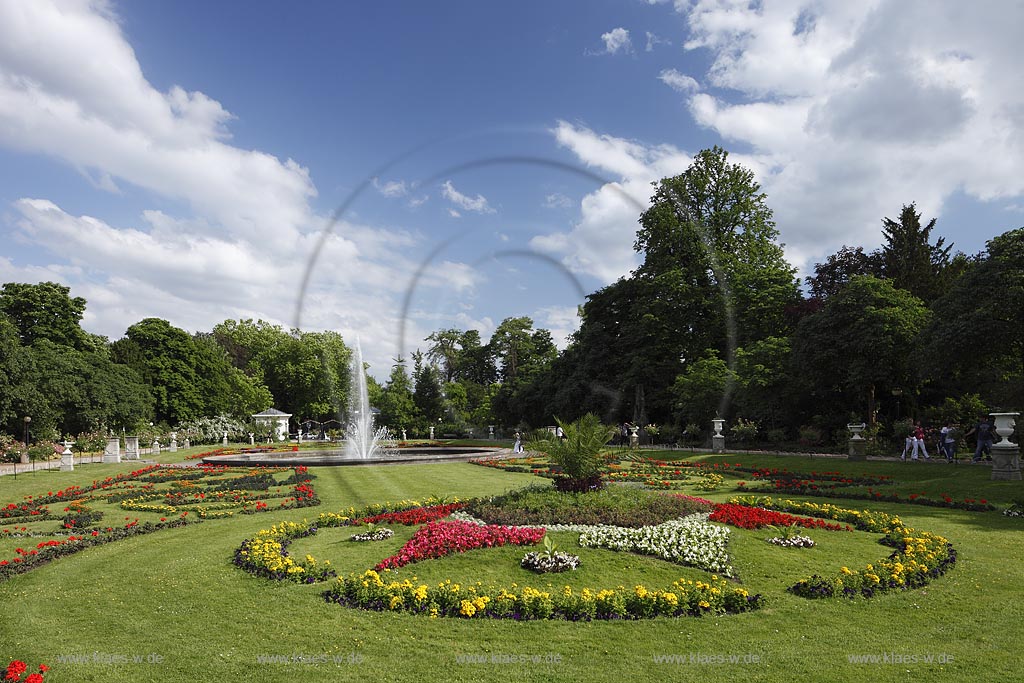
(183, 159)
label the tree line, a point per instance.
(712, 322)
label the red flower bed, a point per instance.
(414, 516)
(438, 539)
(756, 518)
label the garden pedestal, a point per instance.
(112, 453)
(1006, 464)
(718, 443)
(131, 448)
(67, 460)
(857, 449)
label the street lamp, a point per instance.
(27, 420)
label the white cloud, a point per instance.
(477, 204)
(454, 214)
(654, 40)
(560, 321)
(851, 110)
(616, 41)
(678, 81)
(242, 231)
(391, 188)
(557, 200)
(600, 242)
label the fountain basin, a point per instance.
(335, 457)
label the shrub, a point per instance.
(776, 436)
(810, 435)
(579, 452)
(744, 431)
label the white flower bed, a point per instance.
(793, 542)
(692, 540)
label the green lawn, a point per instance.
(174, 596)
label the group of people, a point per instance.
(948, 437)
(517, 447)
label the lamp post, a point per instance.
(27, 421)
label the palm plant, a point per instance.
(578, 453)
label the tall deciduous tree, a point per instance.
(862, 344)
(832, 275)
(44, 311)
(976, 341)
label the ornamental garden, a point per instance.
(785, 566)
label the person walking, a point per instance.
(947, 441)
(908, 444)
(517, 447)
(983, 433)
(919, 441)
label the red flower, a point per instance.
(15, 669)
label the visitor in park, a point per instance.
(624, 434)
(908, 444)
(559, 433)
(919, 441)
(517, 447)
(947, 441)
(983, 433)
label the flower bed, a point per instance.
(266, 554)
(683, 598)
(50, 550)
(438, 539)
(550, 562)
(376, 535)
(792, 541)
(865, 520)
(747, 517)
(625, 507)
(691, 541)
(17, 668)
(919, 557)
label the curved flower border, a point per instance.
(920, 556)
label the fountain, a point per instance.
(362, 441)
(364, 444)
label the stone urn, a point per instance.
(1005, 453)
(718, 423)
(855, 430)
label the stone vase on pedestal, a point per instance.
(188, 442)
(67, 458)
(718, 438)
(1005, 453)
(174, 442)
(858, 443)
(224, 441)
(131, 448)
(112, 452)
(156, 446)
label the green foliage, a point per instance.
(862, 343)
(744, 431)
(616, 506)
(579, 453)
(44, 311)
(397, 407)
(702, 390)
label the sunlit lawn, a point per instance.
(174, 596)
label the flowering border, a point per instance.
(369, 591)
(920, 556)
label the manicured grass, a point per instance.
(175, 594)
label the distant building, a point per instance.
(276, 422)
